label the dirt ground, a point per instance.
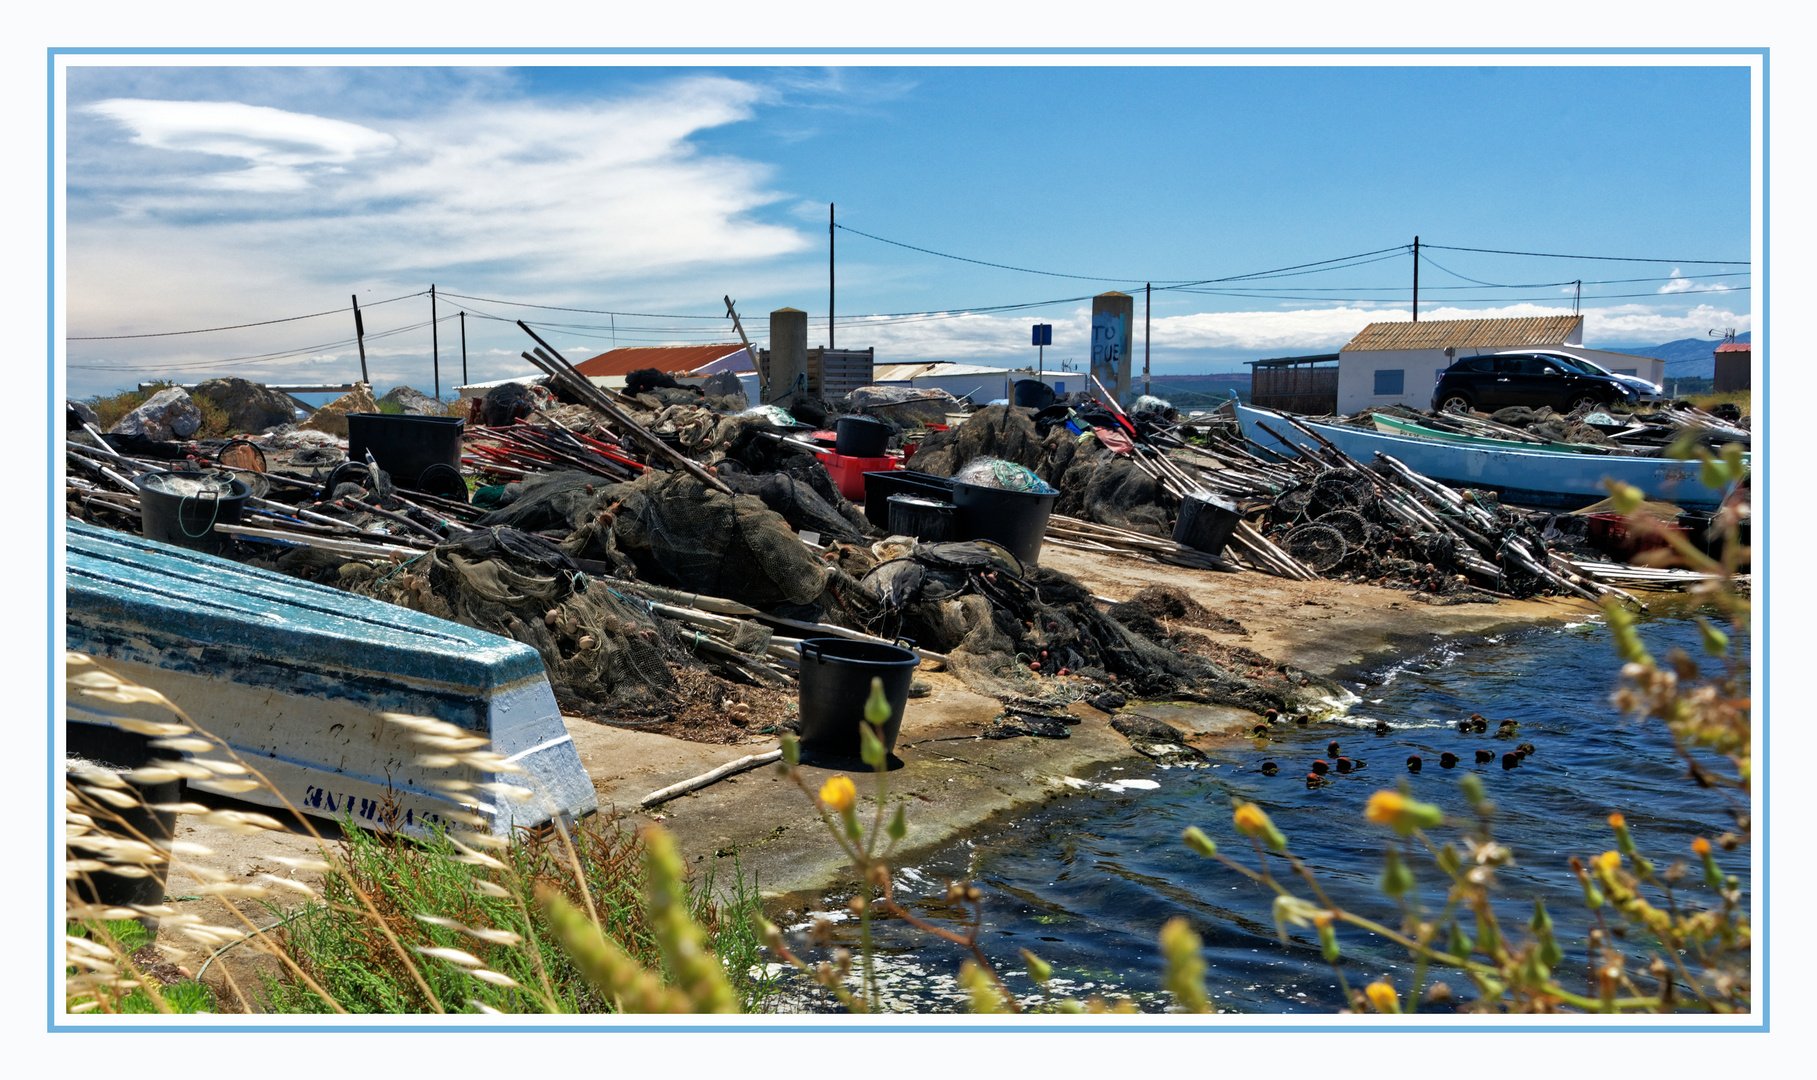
(757, 823)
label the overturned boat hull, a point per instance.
(295, 676)
(1533, 477)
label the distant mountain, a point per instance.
(1687, 358)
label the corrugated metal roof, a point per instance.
(1465, 334)
(1735, 346)
(905, 372)
(670, 359)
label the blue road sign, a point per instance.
(1044, 334)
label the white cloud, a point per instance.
(1681, 284)
(521, 198)
(278, 145)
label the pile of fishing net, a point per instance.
(1094, 481)
(1007, 629)
(603, 650)
(1336, 525)
(673, 530)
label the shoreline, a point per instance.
(955, 781)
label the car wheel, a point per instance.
(1455, 402)
(1580, 401)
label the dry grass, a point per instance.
(1742, 399)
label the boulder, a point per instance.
(166, 415)
(414, 402)
(250, 407)
(84, 414)
(332, 417)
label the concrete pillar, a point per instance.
(788, 355)
(1112, 315)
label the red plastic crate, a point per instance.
(848, 472)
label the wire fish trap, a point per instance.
(1340, 489)
(1354, 528)
(1292, 503)
(1320, 547)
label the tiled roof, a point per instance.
(670, 359)
(1466, 334)
(1735, 346)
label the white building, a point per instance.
(1398, 363)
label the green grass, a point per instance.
(341, 947)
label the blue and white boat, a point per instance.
(1535, 477)
(295, 676)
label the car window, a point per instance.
(1534, 365)
(1476, 363)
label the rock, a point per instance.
(414, 402)
(168, 414)
(251, 407)
(332, 417)
(82, 411)
(1147, 729)
(1009, 726)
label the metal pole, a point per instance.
(1148, 303)
(435, 345)
(359, 331)
(830, 226)
(463, 348)
(1416, 279)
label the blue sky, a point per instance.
(202, 197)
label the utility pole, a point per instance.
(1148, 303)
(359, 331)
(1416, 279)
(435, 345)
(463, 348)
(830, 226)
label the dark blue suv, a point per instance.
(1531, 379)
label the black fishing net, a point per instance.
(603, 650)
(998, 431)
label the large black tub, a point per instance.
(879, 486)
(1015, 519)
(405, 446)
(836, 676)
(183, 508)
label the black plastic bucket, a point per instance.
(1015, 519)
(861, 436)
(934, 521)
(1205, 523)
(1033, 394)
(879, 486)
(118, 751)
(405, 446)
(189, 520)
(836, 676)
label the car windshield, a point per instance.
(1576, 364)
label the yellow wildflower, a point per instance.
(1608, 861)
(1382, 996)
(1251, 820)
(1616, 821)
(839, 793)
(1404, 815)
(1700, 846)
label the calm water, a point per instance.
(1087, 881)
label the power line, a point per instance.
(981, 262)
(1600, 258)
(584, 311)
(240, 326)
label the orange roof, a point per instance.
(1465, 334)
(1735, 346)
(669, 359)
